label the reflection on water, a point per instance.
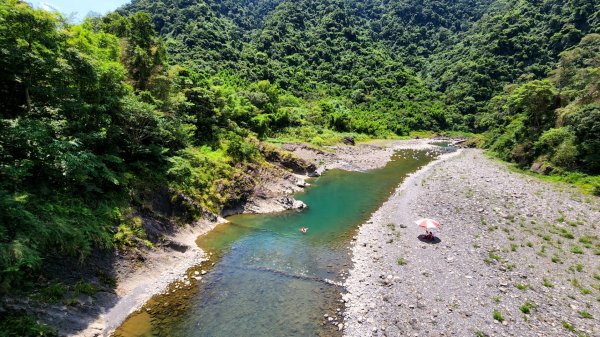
(269, 279)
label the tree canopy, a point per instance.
(179, 94)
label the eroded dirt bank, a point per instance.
(516, 257)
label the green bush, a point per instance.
(558, 144)
(241, 149)
(17, 324)
(130, 233)
(586, 123)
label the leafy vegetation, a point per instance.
(551, 123)
(525, 71)
(13, 324)
(181, 95)
(93, 116)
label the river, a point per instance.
(265, 277)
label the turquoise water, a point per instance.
(269, 279)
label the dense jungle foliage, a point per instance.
(180, 93)
(554, 122)
(93, 117)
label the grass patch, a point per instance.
(542, 251)
(556, 258)
(547, 283)
(587, 240)
(576, 250)
(401, 261)
(85, 288)
(522, 286)
(52, 293)
(497, 315)
(527, 307)
(529, 244)
(585, 314)
(566, 234)
(586, 291)
(568, 326)
(492, 255)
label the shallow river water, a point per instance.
(268, 278)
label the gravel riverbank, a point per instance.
(516, 257)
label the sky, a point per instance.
(80, 7)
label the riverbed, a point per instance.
(265, 277)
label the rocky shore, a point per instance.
(274, 194)
(516, 257)
(138, 281)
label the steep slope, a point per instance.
(417, 29)
(197, 34)
(306, 40)
(467, 50)
(313, 49)
(514, 41)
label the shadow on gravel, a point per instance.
(424, 238)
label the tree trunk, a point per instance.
(28, 98)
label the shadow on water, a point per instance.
(268, 278)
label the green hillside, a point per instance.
(179, 95)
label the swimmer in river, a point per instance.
(304, 229)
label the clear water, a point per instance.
(268, 278)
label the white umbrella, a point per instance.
(428, 223)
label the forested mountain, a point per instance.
(177, 95)
(417, 29)
(466, 50)
(513, 41)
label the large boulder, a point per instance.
(541, 168)
(348, 140)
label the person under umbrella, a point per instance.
(428, 224)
